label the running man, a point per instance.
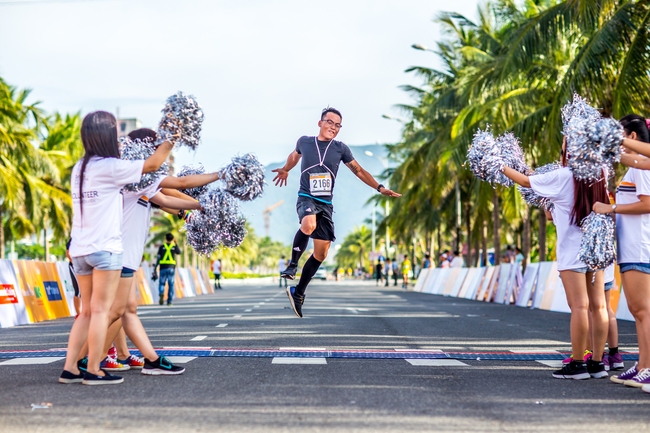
(321, 156)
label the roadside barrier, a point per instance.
(540, 287)
(32, 291)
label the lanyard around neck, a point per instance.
(321, 160)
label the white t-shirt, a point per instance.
(282, 265)
(136, 218)
(216, 267)
(609, 273)
(557, 186)
(633, 231)
(100, 228)
(457, 262)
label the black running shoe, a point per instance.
(573, 370)
(295, 301)
(161, 299)
(290, 272)
(82, 364)
(161, 366)
(596, 369)
(107, 379)
(67, 377)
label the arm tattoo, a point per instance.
(354, 168)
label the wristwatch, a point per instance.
(613, 208)
(379, 187)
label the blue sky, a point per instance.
(262, 70)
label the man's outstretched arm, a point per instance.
(280, 178)
(368, 179)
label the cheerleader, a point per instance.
(585, 293)
(632, 211)
(96, 247)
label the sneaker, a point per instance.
(67, 377)
(290, 272)
(641, 378)
(573, 370)
(169, 304)
(133, 362)
(112, 352)
(629, 374)
(110, 364)
(606, 361)
(82, 364)
(161, 366)
(161, 299)
(587, 356)
(646, 388)
(295, 301)
(616, 361)
(107, 379)
(596, 369)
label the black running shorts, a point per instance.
(324, 223)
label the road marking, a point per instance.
(304, 361)
(436, 363)
(295, 349)
(551, 363)
(248, 311)
(267, 300)
(256, 306)
(221, 325)
(140, 313)
(527, 351)
(261, 303)
(237, 316)
(187, 348)
(32, 361)
(181, 359)
(420, 350)
(199, 338)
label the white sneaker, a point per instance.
(646, 388)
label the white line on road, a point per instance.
(181, 359)
(248, 310)
(140, 313)
(221, 325)
(551, 363)
(32, 361)
(199, 338)
(303, 361)
(237, 316)
(295, 349)
(436, 362)
(526, 351)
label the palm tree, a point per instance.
(355, 247)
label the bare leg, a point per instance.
(576, 294)
(117, 310)
(637, 292)
(134, 329)
(120, 343)
(79, 331)
(612, 332)
(105, 283)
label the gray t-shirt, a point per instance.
(316, 179)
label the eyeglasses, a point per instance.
(331, 123)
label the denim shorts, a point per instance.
(641, 267)
(582, 270)
(608, 286)
(101, 260)
(127, 273)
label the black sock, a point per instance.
(308, 272)
(300, 242)
(613, 350)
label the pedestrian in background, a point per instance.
(282, 265)
(395, 271)
(387, 269)
(457, 261)
(167, 264)
(378, 272)
(216, 270)
(406, 268)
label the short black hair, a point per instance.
(330, 110)
(169, 237)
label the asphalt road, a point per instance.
(325, 394)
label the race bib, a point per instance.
(320, 184)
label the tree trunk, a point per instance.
(476, 247)
(495, 227)
(46, 246)
(542, 236)
(525, 241)
(484, 259)
(439, 243)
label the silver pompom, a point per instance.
(190, 170)
(597, 249)
(487, 156)
(608, 133)
(244, 177)
(218, 223)
(132, 150)
(181, 121)
(585, 158)
(531, 197)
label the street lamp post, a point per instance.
(387, 245)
